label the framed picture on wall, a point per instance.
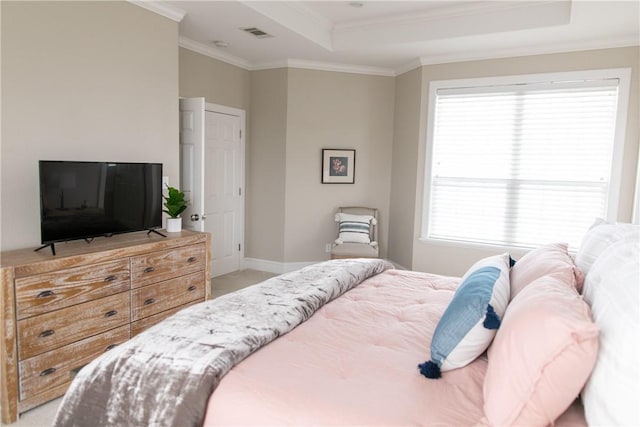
(338, 166)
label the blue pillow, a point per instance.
(469, 323)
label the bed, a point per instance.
(344, 349)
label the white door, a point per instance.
(192, 161)
(223, 199)
(212, 171)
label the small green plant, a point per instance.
(174, 203)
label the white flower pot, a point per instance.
(174, 225)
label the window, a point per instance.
(525, 161)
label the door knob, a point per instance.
(195, 217)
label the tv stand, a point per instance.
(152, 230)
(53, 248)
(59, 313)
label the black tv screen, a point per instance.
(81, 200)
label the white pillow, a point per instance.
(612, 289)
(354, 228)
(600, 235)
(472, 318)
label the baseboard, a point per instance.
(274, 266)
(397, 266)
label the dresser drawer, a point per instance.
(52, 291)
(58, 328)
(163, 265)
(152, 299)
(147, 322)
(57, 367)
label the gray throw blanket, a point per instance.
(164, 376)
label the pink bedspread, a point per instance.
(355, 363)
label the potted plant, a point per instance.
(175, 204)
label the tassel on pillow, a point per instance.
(430, 369)
(491, 320)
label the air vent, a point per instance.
(257, 32)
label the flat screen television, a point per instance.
(82, 200)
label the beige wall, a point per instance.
(408, 111)
(216, 81)
(335, 110)
(75, 89)
(266, 154)
(455, 259)
(294, 114)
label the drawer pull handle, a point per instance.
(110, 278)
(47, 372)
(46, 333)
(149, 301)
(110, 347)
(192, 259)
(191, 288)
(111, 313)
(45, 294)
(149, 269)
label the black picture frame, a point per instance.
(338, 166)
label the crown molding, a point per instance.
(160, 8)
(533, 51)
(309, 14)
(325, 66)
(284, 63)
(519, 52)
(212, 52)
(451, 10)
(451, 21)
(416, 63)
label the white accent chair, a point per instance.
(351, 249)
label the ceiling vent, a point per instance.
(257, 32)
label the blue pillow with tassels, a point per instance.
(472, 318)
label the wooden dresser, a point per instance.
(60, 312)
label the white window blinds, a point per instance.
(523, 164)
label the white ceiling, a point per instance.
(390, 37)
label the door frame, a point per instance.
(195, 189)
(231, 111)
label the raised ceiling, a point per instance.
(390, 37)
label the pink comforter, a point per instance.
(355, 363)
